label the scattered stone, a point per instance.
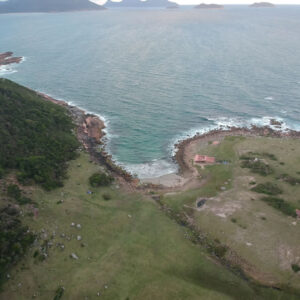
(72, 224)
(7, 276)
(129, 216)
(79, 238)
(74, 256)
(223, 188)
(83, 244)
(249, 244)
(63, 235)
(78, 226)
(62, 246)
(19, 284)
(98, 294)
(106, 286)
(294, 223)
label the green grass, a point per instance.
(130, 246)
(237, 217)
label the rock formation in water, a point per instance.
(15, 6)
(139, 3)
(6, 58)
(262, 4)
(208, 6)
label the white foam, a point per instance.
(269, 98)
(153, 169)
(11, 68)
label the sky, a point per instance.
(191, 2)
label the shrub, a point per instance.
(106, 197)
(59, 293)
(14, 191)
(257, 166)
(220, 250)
(267, 188)
(100, 179)
(295, 268)
(1, 172)
(233, 220)
(281, 205)
(289, 179)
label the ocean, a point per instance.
(157, 76)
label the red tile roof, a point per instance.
(204, 159)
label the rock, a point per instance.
(74, 256)
(63, 235)
(83, 244)
(223, 188)
(72, 224)
(7, 276)
(79, 238)
(78, 226)
(129, 216)
(98, 294)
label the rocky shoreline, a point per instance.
(181, 146)
(7, 58)
(90, 134)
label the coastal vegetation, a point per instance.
(36, 136)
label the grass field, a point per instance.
(132, 250)
(233, 214)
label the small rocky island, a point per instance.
(262, 4)
(209, 6)
(7, 58)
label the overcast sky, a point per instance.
(223, 1)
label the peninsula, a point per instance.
(68, 211)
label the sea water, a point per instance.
(160, 75)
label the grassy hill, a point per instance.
(75, 241)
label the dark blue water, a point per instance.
(159, 75)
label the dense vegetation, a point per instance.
(256, 166)
(100, 179)
(14, 239)
(35, 136)
(281, 205)
(268, 188)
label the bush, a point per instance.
(295, 268)
(281, 205)
(59, 293)
(106, 197)
(289, 179)
(14, 191)
(267, 188)
(100, 179)
(257, 166)
(1, 172)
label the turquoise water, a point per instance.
(159, 75)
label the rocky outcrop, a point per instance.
(7, 58)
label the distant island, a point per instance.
(16, 6)
(262, 4)
(209, 6)
(139, 3)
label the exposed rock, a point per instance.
(74, 256)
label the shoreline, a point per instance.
(91, 131)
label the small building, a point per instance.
(215, 143)
(204, 159)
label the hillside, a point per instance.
(80, 240)
(11, 6)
